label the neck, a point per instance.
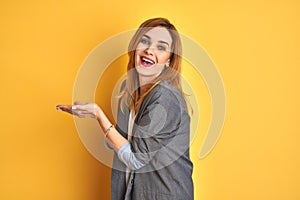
(145, 83)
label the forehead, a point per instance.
(159, 34)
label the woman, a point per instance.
(151, 137)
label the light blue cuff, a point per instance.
(108, 145)
(126, 155)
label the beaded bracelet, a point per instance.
(107, 130)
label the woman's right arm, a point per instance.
(114, 138)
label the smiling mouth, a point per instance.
(146, 62)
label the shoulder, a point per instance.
(164, 101)
(166, 94)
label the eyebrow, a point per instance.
(160, 41)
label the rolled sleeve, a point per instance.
(107, 145)
(126, 155)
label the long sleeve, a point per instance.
(161, 135)
(126, 155)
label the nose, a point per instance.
(149, 50)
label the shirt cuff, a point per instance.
(126, 155)
(107, 145)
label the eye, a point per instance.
(145, 41)
(161, 47)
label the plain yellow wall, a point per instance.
(255, 45)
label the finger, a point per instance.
(58, 108)
(78, 113)
(79, 103)
(88, 114)
(69, 107)
(65, 108)
(76, 107)
(79, 107)
(82, 113)
(85, 115)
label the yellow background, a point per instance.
(253, 43)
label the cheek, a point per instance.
(163, 58)
(140, 47)
(137, 52)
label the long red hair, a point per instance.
(130, 96)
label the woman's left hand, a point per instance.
(80, 109)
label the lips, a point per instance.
(147, 62)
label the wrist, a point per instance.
(99, 114)
(106, 132)
(102, 119)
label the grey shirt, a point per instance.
(160, 140)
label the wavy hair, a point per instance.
(130, 96)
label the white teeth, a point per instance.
(147, 60)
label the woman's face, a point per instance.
(153, 53)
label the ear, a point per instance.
(168, 63)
